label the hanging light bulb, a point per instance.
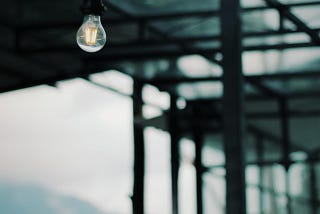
(91, 36)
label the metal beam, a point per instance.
(260, 157)
(281, 46)
(118, 9)
(123, 20)
(281, 75)
(273, 192)
(313, 188)
(268, 163)
(133, 54)
(267, 90)
(108, 55)
(299, 199)
(233, 103)
(13, 74)
(270, 137)
(139, 152)
(285, 129)
(285, 10)
(24, 67)
(150, 17)
(258, 97)
(198, 138)
(286, 146)
(177, 41)
(175, 152)
(181, 41)
(32, 83)
(109, 88)
(48, 80)
(145, 25)
(275, 115)
(266, 115)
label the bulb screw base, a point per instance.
(93, 7)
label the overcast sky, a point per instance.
(76, 140)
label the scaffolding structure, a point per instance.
(226, 115)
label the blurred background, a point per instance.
(140, 127)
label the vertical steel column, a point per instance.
(233, 106)
(313, 188)
(285, 134)
(175, 156)
(260, 154)
(139, 152)
(198, 139)
(281, 21)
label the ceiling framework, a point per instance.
(179, 45)
(119, 50)
(146, 47)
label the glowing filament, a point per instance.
(91, 35)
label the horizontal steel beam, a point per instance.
(47, 80)
(32, 83)
(275, 115)
(259, 97)
(266, 115)
(150, 18)
(280, 75)
(267, 90)
(23, 66)
(301, 25)
(272, 137)
(126, 55)
(111, 89)
(267, 163)
(161, 42)
(272, 191)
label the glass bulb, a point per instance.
(91, 36)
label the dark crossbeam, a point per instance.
(23, 66)
(275, 115)
(128, 18)
(133, 54)
(287, 75)
(258, 97)
(281, 75)
(298, 199)
(31, 83)
(270, 137)
(267, 90)
(118, 9)
(285, 11)
(170, 41)
(268, 163)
